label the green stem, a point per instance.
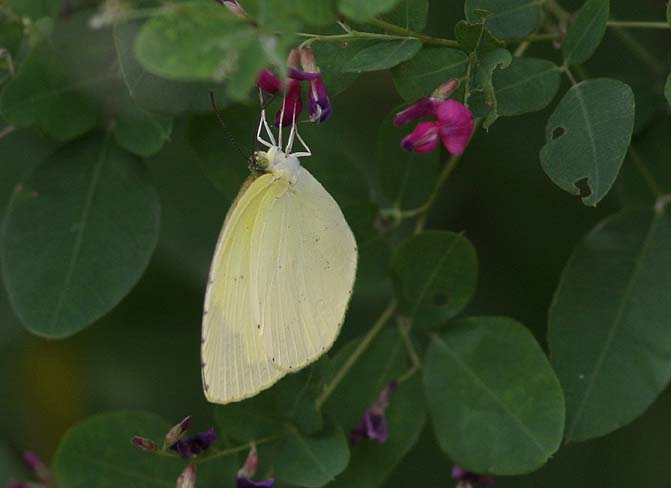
(449, 168)
(237, 449)
(408, 374)
(645, 172)
(352, 36)
(639, 50)
(634, 24)
(360, 348)
(569, 75)
(409, 346)
(557, 10)
(402, 31)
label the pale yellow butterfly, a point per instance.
(281, 277)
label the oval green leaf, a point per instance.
(435, 274)
(78, 235)
(587, 137)
(363, 11)
(409, 14)
(608, 323)
(141, 132)
(527, 85)
(586, 32)
(510, 19)
(430, 67)
(496, 405)
(383, 55)
(99, 448)
(312, 461)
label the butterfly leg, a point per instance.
(264, 123)
(307, 151)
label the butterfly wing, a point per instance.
(234, 363)
(303, 265)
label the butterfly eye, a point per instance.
(261, 160)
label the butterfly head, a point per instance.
(276, 161)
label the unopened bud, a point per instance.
(444, 91)
(144, 444)
(188, 477)
(177, 432)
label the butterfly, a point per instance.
(281, 277)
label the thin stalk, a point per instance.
(353, 358)
(402, 31)
(351, 36)
(640, 50)
(557, 10)
(237, 449)
(635, 24)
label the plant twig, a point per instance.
(402, 31)
(358, 351)
(635, 24)
(237, 449)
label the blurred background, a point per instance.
(144, 355)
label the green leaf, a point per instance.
(78, 235)
(35, 9)
(317, 12)
(587, 137)
(44, 94)
(430, 67)
(332, 58)
(527, 85)
(495, 402)
(312, 461)
(363, 11)
(99, 449)
(204, 42)
(475, 37)
(510, 19)
(435, 274)
(586, 32)
(383, 55)
(371, 462)
(608, 322)
(407, 178)
(667, 89)
(141, 132)
(496, 59)
(668, 14)
(409, 14)
(152, 92)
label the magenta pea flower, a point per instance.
(467, 479)
(248, 470)
(453, 124)
(319, 104)
(373, 425)
(191, 447)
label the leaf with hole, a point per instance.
(495, 60)
(363, 11)
(608, 322)
(586, 32)
(78, 235)
(383, 55)
(510, 19)
(430, 67)
(435, 274)
(475, 37)
(587, 137)
(312, 461)
(495, 403)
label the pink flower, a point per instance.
(454, 126)
(268, 82)
(293, 105)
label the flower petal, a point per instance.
(423, 139)
(242, 482)
(456, 125)
(268, 82)
(293, 105)
(319, 105)
(421, 108)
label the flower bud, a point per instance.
(37, 466)
(234, 7)
(177, 432)
(144, 444)
(445, 91)
(248, 469)
(188, 477)
(268, 82)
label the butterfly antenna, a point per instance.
(229, 134)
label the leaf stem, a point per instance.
(350, 36)
(402, 31)
(557, 10)
(6, 131)
(639, 50)
(237, 449)
(635, 24)
(360, 348)
(409, 346)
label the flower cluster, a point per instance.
(466, 479)
(453, 122)
(374, 423)
(247, 472)
(39, 471)
(302, 67)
